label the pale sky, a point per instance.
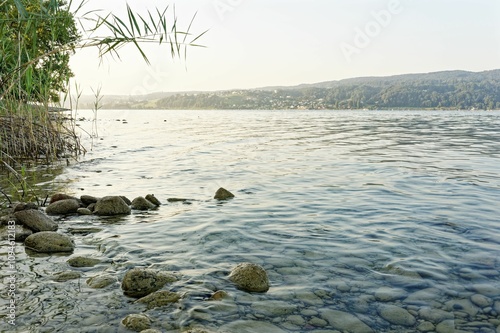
(258, 43)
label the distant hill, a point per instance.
(439, 90)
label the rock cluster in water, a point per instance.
(400, 301)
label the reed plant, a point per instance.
(37, 38)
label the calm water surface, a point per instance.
(338, 207)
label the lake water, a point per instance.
(379, 219)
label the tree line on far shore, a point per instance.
(441, 90)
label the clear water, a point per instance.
(333, 204)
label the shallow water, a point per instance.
(346, 211)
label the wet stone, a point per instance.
(141, 203)
(84, 211)
(344, 321)
(396, 315)
(462, 305)
(481, 301)
(48, 242)
(88, 199)
(296, 320)
(386, 294)
(272, 308)
(486, 289)
(111, 205)
(447, 326)
(251, 326)
(250, 277)
(137, 322)
(101, 281)
(223, 194)
(63, 207)
(141, 282)
(159, 298)
(434, 315)
(151, 198)
(426, 327)
(83, 262)
(20, 233)
(317, 322)
(35, 220)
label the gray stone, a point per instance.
(481, 300)
(487, 289)
(63, 207)
(137, 322)
(82, 262)
(251, 326)
(141, 203)
(426, 327)
(84, 211)
(396, 315)
(317, 322)
(88, 199)
(151, 198)
(150, 330)
(296, 320)
(386, 294)
(111, 205)
(159, 298)
(66, 276)
(462, 305)
(344, 321)
(139, 282)
(423, 296)
(101, 281)
(223, 194)
(35, 220)
(60, 196)
(434, 315)
(272, 308)
(49, 241)
(447, 326)
(250, 277)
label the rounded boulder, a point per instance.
(48, 242)
(250, 277)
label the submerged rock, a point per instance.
(344, 321)
(141, 203)
(137, 322)
(48, 242)
(66, 276)
(223, 194)
(35, 220)
(250, 277)
(139, 282)
(159, 298)
(396, 315)
(63, 207)
(251, 326)
(111, 205)
(82, 262)
(101, 281)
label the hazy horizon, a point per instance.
(252, 44)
